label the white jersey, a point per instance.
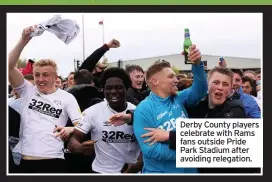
(15, 104)
(40, 114)
(115, 146)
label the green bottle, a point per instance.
(186, 45)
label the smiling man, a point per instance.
(136, 74)
(113, 146)
(44, 113)
(161, 109)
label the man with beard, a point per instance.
(113, 146)
(136, 74)
(161, 109)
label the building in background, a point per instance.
(177, 60)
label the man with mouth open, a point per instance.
(113, 146)
(161, 109)
(44, 113)
(136, 74)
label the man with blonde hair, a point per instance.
(44, 113)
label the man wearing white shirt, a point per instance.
(114, 146)
(44, 113)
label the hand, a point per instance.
(63, 132)
(194, 54)
(119, 119)
(26, 34)
(156, 135)
(222, 64)
(88, 147)
(113, 43)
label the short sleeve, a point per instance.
(73, 109)
(25, 89)
(85, 124)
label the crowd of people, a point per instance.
(115, 120)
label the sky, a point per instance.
(141, 35)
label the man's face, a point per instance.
(70, 81)
(137, 78)
(45, 78)
(59, 83)
(258, 77)
(166, 82)
(247, 88)
(250, 75)
(115, 92)
(219, 88)
(237, 81)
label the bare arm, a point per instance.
(15, 76)
(75, 142)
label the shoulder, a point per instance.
(131, 106)
(97, 108)
(145, 104)
(234, 103)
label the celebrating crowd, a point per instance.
(115, 120)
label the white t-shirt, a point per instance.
(39, 115)
(115, 146)
(15, 104)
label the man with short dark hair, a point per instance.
(136, 74)
(258, 75)
(249, 87)
(86, 95)
(251, 107)
(113, 146)
(83, 77)
(58, 83)
(70, 80)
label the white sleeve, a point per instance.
(85, 124)
(24, 89)
(73, 109)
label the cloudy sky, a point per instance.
(142, 35)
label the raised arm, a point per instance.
(158, 151)
(192, 95)
(92, 60)
(16, 78)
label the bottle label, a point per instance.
(187, 34)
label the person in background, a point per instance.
(114, 146)
(250, 74)
(70, 80)
(249, 87)
(184, 83)
(251, 107)
(136, 74)
(93, 65)
(59, 82)
(258, 75)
